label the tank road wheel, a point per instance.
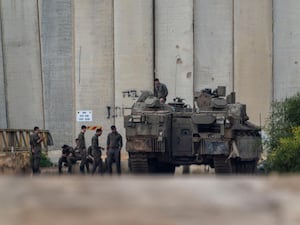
(138, 162)
(222, 164)
(245, 167)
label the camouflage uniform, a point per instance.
(76, 153)
(114, 143)
(36, 149)
(161, 91)
(83, 152)
(67, 157)
(96, 151)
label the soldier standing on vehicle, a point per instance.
(36, 149)
(82, 148)
(114, 146)
(160, 91)
(96, 151)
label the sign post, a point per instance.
(84, 116)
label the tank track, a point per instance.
(222, 165)
(245, 167)
(138, 163)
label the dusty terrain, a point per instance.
(198, 198)
(54, 156)
(150, 200)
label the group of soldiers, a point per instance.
(93, 154)
(86, 156)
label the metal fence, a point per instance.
(19, 140)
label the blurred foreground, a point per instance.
(211, 200)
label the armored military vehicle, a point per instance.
(216, 132)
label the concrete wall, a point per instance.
(3, 122)
(286, 48)
(174, 47)
(21, 45)
(213, 34)
(62, 56)
(94, 87)
(133, 35)
(253, 56)
(57, 64)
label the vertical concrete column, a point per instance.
(253, 56)
(213, 39)
(22, 63)
(57, 60)
(286, 48)
(133, 34)
(94, 62)
(3, 119)
(174, 47)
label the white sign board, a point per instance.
(84, 116)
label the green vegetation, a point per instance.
(45, 161)
(286, 156)
(284, 136)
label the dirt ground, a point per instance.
(198, 198)
(54, 156)
(136, 200)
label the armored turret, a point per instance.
(216, 132)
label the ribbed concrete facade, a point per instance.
(286, 48)
(253, 56)
(133, 54)
(174, 47)
(21, 45)
(3, 118)
(213, 34)
(56, 31)
(94, 88)
(59, 57)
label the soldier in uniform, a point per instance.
(76, 150)
(68, 157)
(89, 159)
(160, 91)
(36, 149)
(114, 146)
(82, 148)
(96, 151)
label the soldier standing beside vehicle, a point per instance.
(82, 148)
(89, 158)
(160, 91)
(96, 151)
(36, 149)
(68, 157)
(114, 146)
(76, 150)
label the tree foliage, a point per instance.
(283, 135)
(286, 156)
(278, 125)
(45, 161)
(293, 110)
